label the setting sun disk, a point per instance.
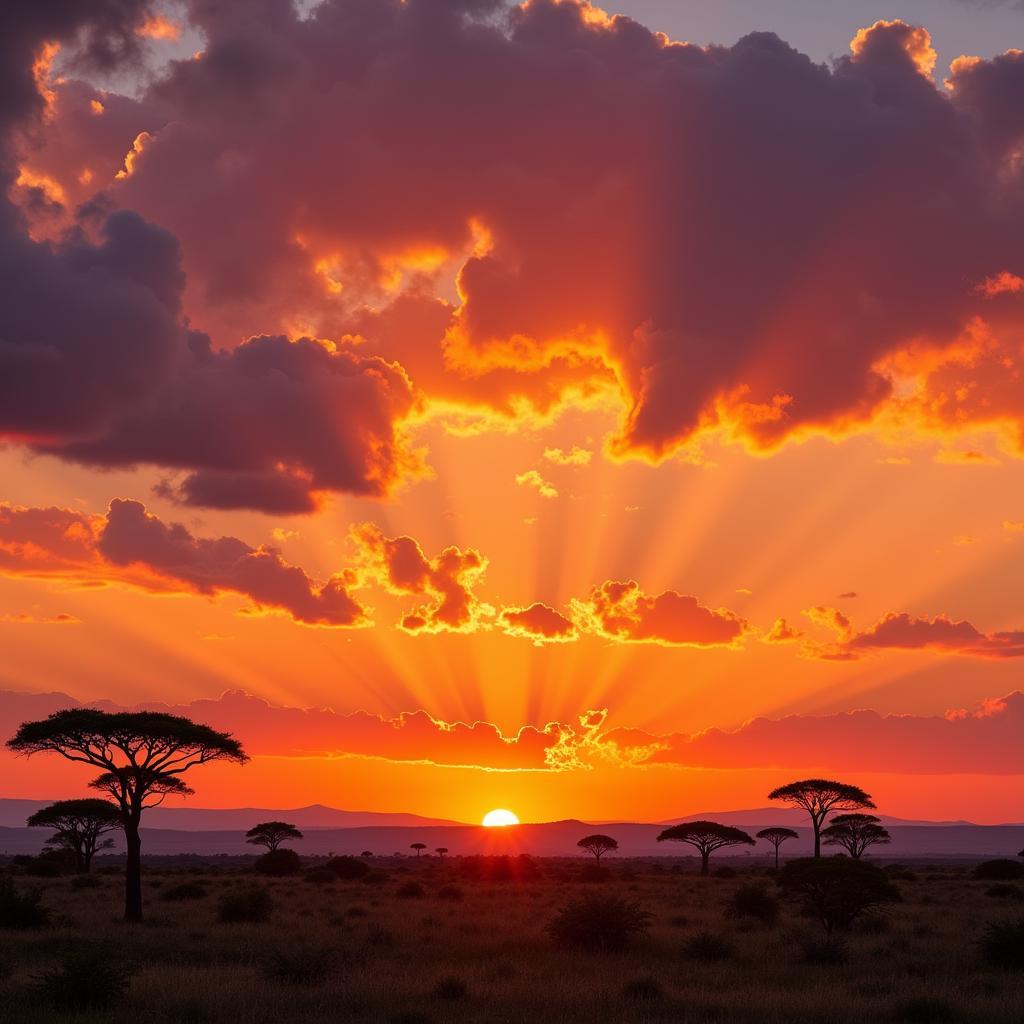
(499, 817)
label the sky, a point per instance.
(597, 412)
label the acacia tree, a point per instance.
(78, 826)
(142, 756)
(441, 851)
(855, 833)
(271, 834)
(418, 847)
(598, 845)
(777, 836)
(706, 836)
(819, 797)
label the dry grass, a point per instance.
(353, 951)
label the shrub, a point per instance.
(829, 952)
(449, 988)
(251, 904)
(724, 872)
(1002, 944)
(348, 868)
(410, 891)
(85, 882)
(836, 890)
(449, 892)
(298, 966)
(754, 901)
(642, 990)
(375, 876)
(183, 891)
(89, 978)
(999, 871)
(708, 946)
(278, 863)
(20, 908)
(599, 922)
(594, 873)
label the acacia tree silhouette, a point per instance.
(777, 836)
(441, 851)
(598, 845)
(418, 847)
(142, 755)
(78, 825)
(855, 833)
(272, 834)
(819, 797)
(706, 836)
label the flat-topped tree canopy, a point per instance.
(706, 837)
(598, 845)
(819, 797)
(856, 833)
(78, 826)
(777, 835)
(141, 756)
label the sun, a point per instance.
(499, 818)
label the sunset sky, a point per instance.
(596, 412)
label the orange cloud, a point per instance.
(575, 456)
(622, 611)
(782, 633)
(129, 545)
(531, 478)
(539, 623)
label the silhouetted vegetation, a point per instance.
(183, 892)
(819, 798)
(410, 891)
(79, 826)
(302, 966)
(999, 871)
(777, 836)
(753, 901)
(598, 845)
(599, 922)
(347, 868)
(705, 837)
(855, 833)
(708, 946)
(87, 978)
(1002, 944)
(250, 904)
(836, 890)
(272, 834)
(500, 868)
(278, 863)
(20, 908)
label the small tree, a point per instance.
(141, 755)
(836, 890)
(78, 826)
(819, 797)
(271, 834)
(777, 836)
(418, 847)
(441, 851)
(855, 833)
(598, 845)
(706, 836)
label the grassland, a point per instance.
(479, 951)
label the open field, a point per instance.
(449, 949)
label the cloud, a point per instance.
(31, 619)
(595, 231)
(531, 478)
(129, 545)
(622, 611)
(1014, 525)
(985, 741)
(446, 581)
(901, 631)
(782, 633)
(539, 623)
(575, 456)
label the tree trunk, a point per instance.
(133, 872)
(704, 857)
(817, 839)
(776, 856)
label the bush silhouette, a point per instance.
(410, 891)
(85, 882)
(599, 922)
(925, 1010)
(818, 952)
(1005, 891)
(298, 966)
(89, 978)
(251, 904)
(708, 946)
(20, 908)
(594, 873)
(1002, 944)
(449, 892)
(999, 871)
(184, 891)
(347, 868)
(320, 876)
(836, 890)
(278, 863)
(754, 901)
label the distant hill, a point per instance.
(167, 833)
(14, 812)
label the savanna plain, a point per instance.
(459, 940)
